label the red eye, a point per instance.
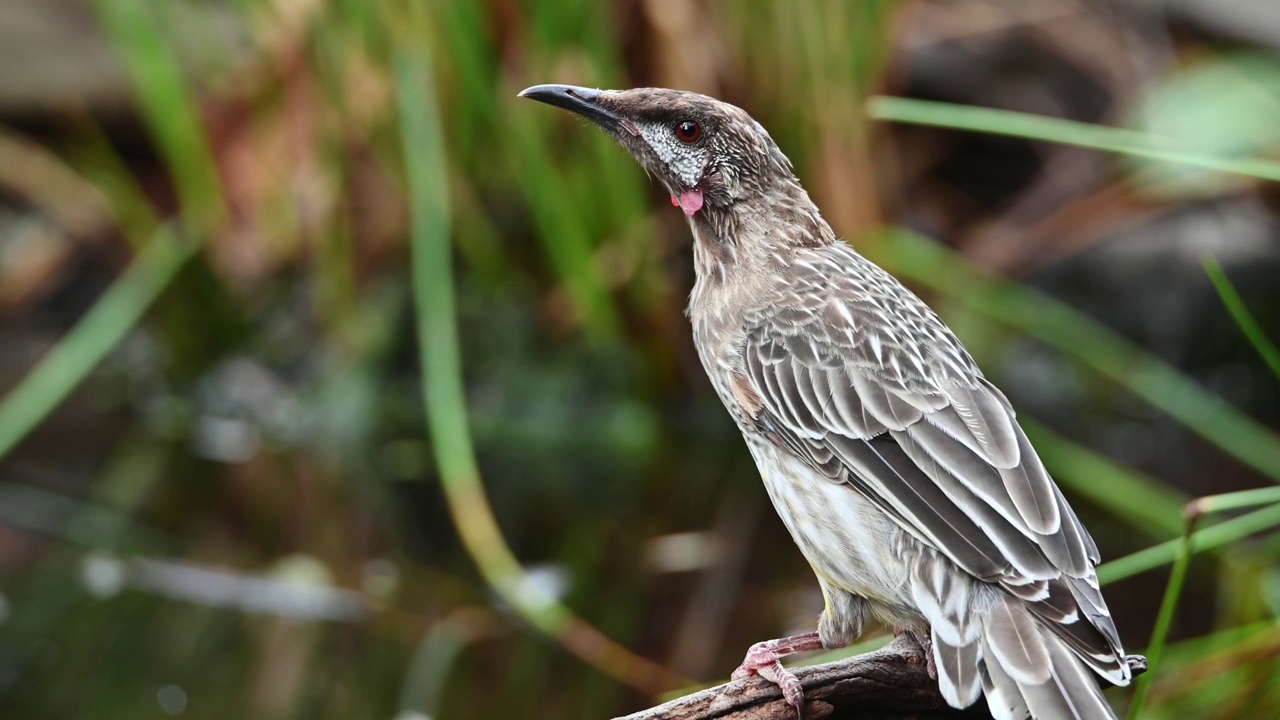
(688, 132)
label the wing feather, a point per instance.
(989, 420)
(932, 446)
(890, 478)
(1017, 544)
(1029, 486)
(887, 408)
(850, 412)
(840, 379)
(808, 410)
(936, 473)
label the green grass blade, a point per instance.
(94, 335)
(443, 395)
(1224, 533)
(561, 229)
(1089, 342)
(100, 163)
(1177, 577)
(1056, 130)
(1206, 647)
(441, 355)
(172, 119)
(1240, 313)
(517, 128)
(170, 113)
(1164, 619)
(1235, 500)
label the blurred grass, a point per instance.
(546, 319)
(1241, 315)
(1066, 132)
(1224, 533)
(163, 97)
(93, 337)
(445, 404)
(1164, 619)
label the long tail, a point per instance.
(1028, 670)
(1024, 668)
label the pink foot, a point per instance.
(764, 659)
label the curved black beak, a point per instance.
(580, 100)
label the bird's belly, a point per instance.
(851, 544)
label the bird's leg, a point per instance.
(765, 659)
(925, 641)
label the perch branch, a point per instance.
(889, 683)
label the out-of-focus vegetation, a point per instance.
(337, 382)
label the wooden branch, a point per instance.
(889, 683)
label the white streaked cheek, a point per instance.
(690, 172)
(685, 162)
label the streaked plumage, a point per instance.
(899, 470)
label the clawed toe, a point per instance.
(764, 659)
(792, 690)
(774, 672)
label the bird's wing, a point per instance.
(864, 382)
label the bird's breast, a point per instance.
(850, 543)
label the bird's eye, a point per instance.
(688, 132)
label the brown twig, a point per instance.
(889, 683)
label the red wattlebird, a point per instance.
(900, 471)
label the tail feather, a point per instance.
(1035, 650)
(1016, 642)
(1003, 696)
(1076, 683)
(1014, 645)
(959, 677)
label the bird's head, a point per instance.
(709, 154)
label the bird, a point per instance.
(900, 471)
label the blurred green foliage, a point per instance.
(340, 383)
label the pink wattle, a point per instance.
(691, 201)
